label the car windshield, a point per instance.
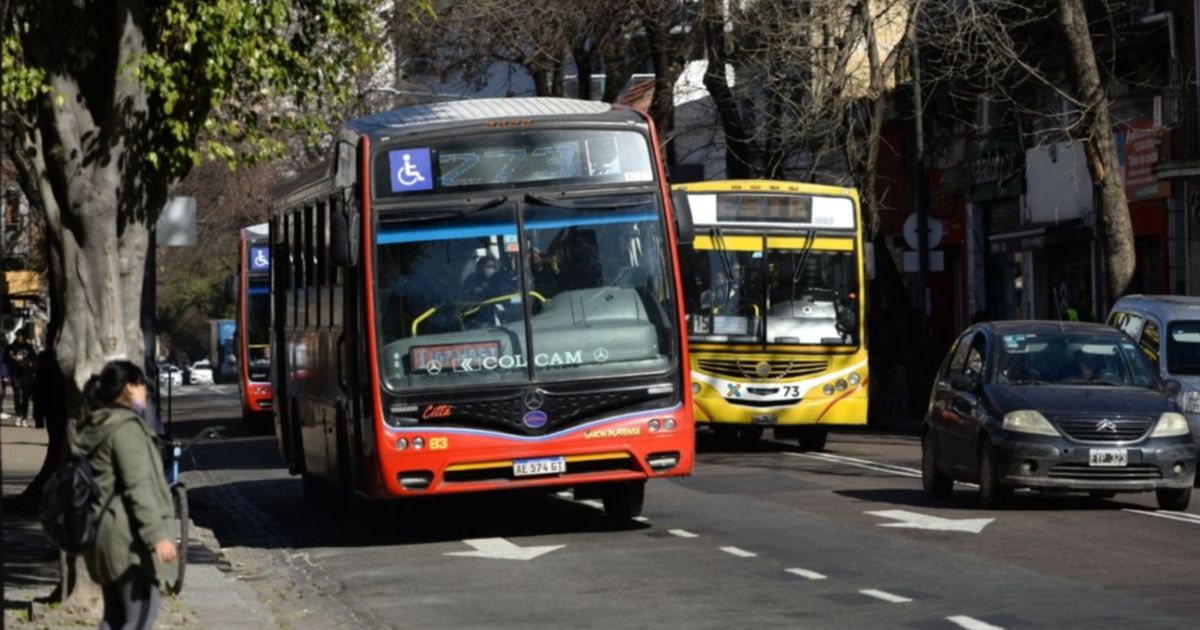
(1183, 347)
(453, 305)
(741, 290)
(1070, 358)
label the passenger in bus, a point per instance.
(581, 261)
(477, 285)
(543, 277)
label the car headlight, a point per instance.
(1190, 402)
(1170, 424)
(1028, 421)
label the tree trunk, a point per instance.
(98, 195)
(737, 150)
(1112, 213)
(668, 64)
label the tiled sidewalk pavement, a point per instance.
(211, 598)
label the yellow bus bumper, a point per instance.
(849, 407)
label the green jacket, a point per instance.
(142, 513)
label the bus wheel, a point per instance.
(812, 438)
(623, 501)
(750, 433)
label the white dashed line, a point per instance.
(565, 494)
(593, 503)
(806, 574)
(641, 519)
(891, 469)
(682, 533)
(741, 553)
(885, 596)
(971, 623)
(1182, 517)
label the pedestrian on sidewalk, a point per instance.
(134, 552)
(3, 384)
(20, 357)
(48, 401)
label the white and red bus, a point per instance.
(482, 295)
(254, 325)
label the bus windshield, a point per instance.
(530, 289)
(753, 293)
(258, 329)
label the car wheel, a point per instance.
(992, 493)
(937, 485)
(1174, 499)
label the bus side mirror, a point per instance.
(869, 260)
(685, 232)
(343, 239)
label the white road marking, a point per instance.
(501, 549)
(599, 505)
(641, 519)
(971, 623)
(892, 469)
(916, 520)
(682, 533)
(741, 553)
(565, 494)
(1182, 517)
(885, 596)
(806, 574)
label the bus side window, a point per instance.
(320, 255)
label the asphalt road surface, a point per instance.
(761, 535)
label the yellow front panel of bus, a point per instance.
(730, 389)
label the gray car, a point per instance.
(1167, 329)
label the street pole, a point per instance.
(920, 201)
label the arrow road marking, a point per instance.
(806, 574)
(499, 548)
(971, 623)
(885, 596)
(915, 520)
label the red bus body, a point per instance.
(341, 422)
(255, 389)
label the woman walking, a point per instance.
(134, 550)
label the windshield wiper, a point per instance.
(811, 240)
(426, 215)
(574, 202)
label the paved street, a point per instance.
(760, 536)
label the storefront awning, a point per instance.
(1033, 236)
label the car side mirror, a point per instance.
(685, 230)
(964, 382)
(1172, 387)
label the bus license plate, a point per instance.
(1108, 457)
(543, 466)
(764, 418)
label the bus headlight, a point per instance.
(828, 389)
(669, 424)
(695, 388)
(841, 385)
(654, 425)
(418, 443)
(854, 378)
(402, 443)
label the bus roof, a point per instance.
(765, 186)
(255, 232)
(456, 112)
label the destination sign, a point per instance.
(792, 209)
(501, 160)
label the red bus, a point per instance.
(254, 325)
(482, 295)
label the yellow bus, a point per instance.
(774, 297)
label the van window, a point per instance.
(1149, 341)
(1128, 322)
(1183, 347)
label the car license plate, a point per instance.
(1108, 457)
(543, 466)
(764, 418)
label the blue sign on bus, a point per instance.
(260, 258)
(411, 170)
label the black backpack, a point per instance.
(66, 506)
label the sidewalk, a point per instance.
(211, 597)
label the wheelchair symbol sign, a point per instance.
(260, 259)
(411, 170)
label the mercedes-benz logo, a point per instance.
(534, 399)
(433, 368)
(763, 369)
(600, 355)
(1106, 425)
